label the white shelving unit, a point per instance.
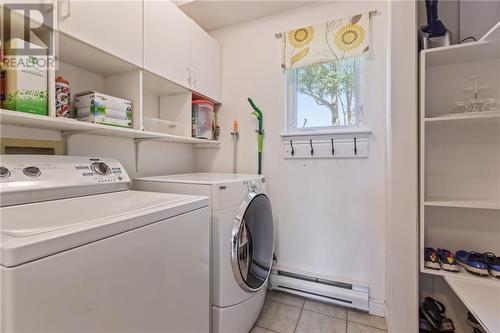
(73, 126)
(460, 166)
(87, 67)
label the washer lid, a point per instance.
(201, 178)
(32, 231)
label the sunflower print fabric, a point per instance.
(332, 41)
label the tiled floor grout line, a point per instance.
(377, 328)
(327, 314)
(298, 319)
(295, 306)
(266, 328)
(346, 319)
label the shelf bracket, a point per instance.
(137, 142)
(65, 135)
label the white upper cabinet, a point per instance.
(113, 26)
(167, 41)
(205, 63)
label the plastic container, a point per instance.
(202, 117)
(163, 126)
(62, 97)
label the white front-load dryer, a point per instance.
(242, 241)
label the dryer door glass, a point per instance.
(253, 243)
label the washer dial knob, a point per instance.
(31, 171)
(100, 168)
(4, 172)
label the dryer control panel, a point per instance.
(32, 178)
(255, 185)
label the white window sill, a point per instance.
(329, 132)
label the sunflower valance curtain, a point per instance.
(335, 40)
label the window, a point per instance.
(323, 96)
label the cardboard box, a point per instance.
(99, 100)
(107, 121)
(83, 112)
(25, 81)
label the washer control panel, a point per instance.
(255, 185)
(59, 176)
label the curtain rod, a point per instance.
(371, 13)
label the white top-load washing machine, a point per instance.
(242, 241)
(80, 252)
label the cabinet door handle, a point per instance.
(195, 76)
(68, 6)
(188, 70)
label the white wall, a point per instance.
(155, 158)
(330, 213)
(402, 150)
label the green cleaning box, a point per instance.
(25, 80)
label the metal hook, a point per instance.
(355, 147)
(293, 150)
(311, 144)
(333, 148)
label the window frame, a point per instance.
(291, 106)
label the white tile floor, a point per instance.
(287, 313)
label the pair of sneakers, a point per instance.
(440, 259)
(479, 263)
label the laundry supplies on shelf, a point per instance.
(25, 79)
(62, 98)
(99, 108)
(202, 118)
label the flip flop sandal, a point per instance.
(473, 262)
(432, 310)
(472, 321)
(424, 325)
(446, 325)
(493, 263)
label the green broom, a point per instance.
(257, 113)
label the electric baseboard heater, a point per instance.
(336, 292)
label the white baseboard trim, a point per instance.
(377, 307)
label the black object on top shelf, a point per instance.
(434, 27)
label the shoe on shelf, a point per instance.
(493, 263)
(431, 258)
(432, 317)
(473, 262)
(446, 325)
(472, 321)
(447, 260)
(432, 311)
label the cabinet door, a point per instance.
(166, 41)
(113, 26)
(205, 63)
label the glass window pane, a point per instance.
(326, 95)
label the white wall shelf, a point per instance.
(463, 275)
(482, 299)
(488, 117)
(461, 53)
(463, 203)
(15, 118)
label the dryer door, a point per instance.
(252, 242)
